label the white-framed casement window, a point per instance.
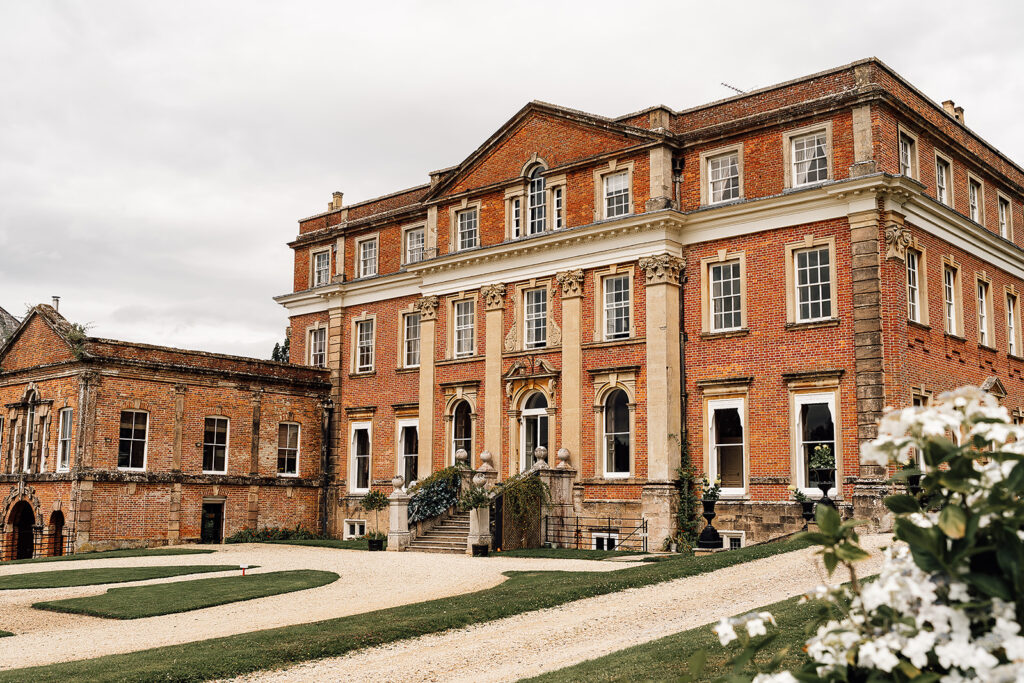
(468, 235)
(814, 427)
(723, 177)
(354, 528)
(616, 306)
(215, 445)
(65, 419)
(616, 194)
(534, 432)
(318, 347)
(604, 540)
(535, 314)
(951, 304)
(809, 156)
(29, 444)
(133, 441)
(985, 316)
(908, 154)
(321, 267)
(537, 201)
(415, 245)
(813, 271)
(975, 200)
(1005, 218)
(558, 210)
(618, 435)
(288, 434)
(516, 221)
(365, 346)
(727, 452)
(367, 251)
(361, 444)
(1, 434)
(943, 180)
(734, 540)
(725, 292)
(913, 286)
(409, 448)
(462, 429)
(411, 340)
(1012, 325)
(465, 328)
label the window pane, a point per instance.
(616, 306)
(412, 339)
(814, 291)
(617, 434)
(468, 234)
(616, 195)
(536, 318)
(538, 203)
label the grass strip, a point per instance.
(567, 553)
(92, 577)
(136, 602)
(351, 544)
(665, 659)
(107, 554)
(275, 648)
(4, 634)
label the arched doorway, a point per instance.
(22, 519)
(462, 430)
(535, 428)
(57, 533)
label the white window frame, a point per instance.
(736, 294)
(298, 449)
(319, 281)
(713, 405)
(1, 434)
(517, 217)
(317, 350)
(227, 443)
(525, 457)
(531, 317)
(459, 326)
(1005, 217)
(913, 286)
(906, 148)
(406, 339)
(367, 267)
(983, 300)
(358, 523)
(606, 307)
(630, 418)
(951, 308)
(558, 207)
(145, 442)
(402, 425)
(353, 477)
(469, 227)
(609, 194)
(606, 535)
(943, 180)
(368, 345)
(536, 202)
(790, 140)
(729, 534)
(710, 171)
(830, 269)
(408, 250)
(65, 430)
(1012, 326)
(975, 200)
(800, 400)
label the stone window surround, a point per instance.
(453, 223)
(705, 157)
(723, 256)
(309, 346)
(728, 389)
(359, 241)
(366, 424)
(823, 385)
(450, 302)
(598, 278)
(949, 262)
(1002, 197)
(990, 318)
(405, 243)
(354, 350)
(787, 151)
(403, 419)
(312, 265)
(453, 395)
(605, 381)
(915, 165)
(949, 199)
(136, 407)
(227, 443)
(298, 449)
(1011, 291)
(809, 241)
(514, 341)
(358, 523)
(613, 166)
(921, 392)
(402, 314)
(922, 283)
(971, 178)
(520, 191)
(710, 404)
(65, 410)
(515, 415)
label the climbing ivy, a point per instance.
(689, 507)
(524, 497)
(435, 494)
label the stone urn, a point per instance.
(462, 458)
(824, 478)
(807, 511)
(914, 484)
(709, 538)
(540, 458)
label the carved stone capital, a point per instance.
(494, 296)
(427, 306)
(662, 269)
(897, 239)
(571, 282)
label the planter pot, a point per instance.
(375, 543)
(914, 484)
(807, 511)
(480, 549)
(824, 479)
(709, 538)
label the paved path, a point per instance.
(535, 642)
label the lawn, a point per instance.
(136, 602)
(567, 553)
(274, 648)
(91, 577)
(664, 659)
(352, 544)
(107, 554)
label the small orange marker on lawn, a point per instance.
(243, 567)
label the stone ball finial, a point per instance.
(462, 457)
(563, 457)
(479, 480)
(540, 457)
(486, 461)
(397, 481)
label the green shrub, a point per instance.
(248, 535)
(435, 494)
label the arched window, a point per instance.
(30, 438)
(535, 427)
(462, 429)
(617, 437)
(537, 202)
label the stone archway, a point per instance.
(56, 534)
(22, 522)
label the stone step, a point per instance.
(447, 551)
(443, 538)
(464, 528)
(420, 545)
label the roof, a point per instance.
(8, 324)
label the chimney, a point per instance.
(949, 107)
(958, 114)
(56, 303)
(335, 202)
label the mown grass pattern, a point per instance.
(567, 553)
(275, 648)
(136, 602)
(92, 577)
(108, 554)
(352, 544)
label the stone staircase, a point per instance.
(450, 536)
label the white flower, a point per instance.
(755, 627)
(783, 677)
(874, 655)
(726, 633)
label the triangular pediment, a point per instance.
(554, 135)
(40, 339)
(994, 386)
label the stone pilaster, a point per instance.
(254, 449)
(660, 179)
(427, 307)
(494, 305)
(658, 505)
(88, 387)
(863, 145)
(252, 513)
(664, 422)
(174, 515)
(571, 286)
(83, 514)
(335, 362)
(179, 421)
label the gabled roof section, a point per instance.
(54, 334)
(600, 125)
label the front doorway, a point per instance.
(535, 428)
(212, 529)
(57, 533)
(23, 519)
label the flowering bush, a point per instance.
(711, 490)
(947, 605)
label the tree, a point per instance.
(281, 352)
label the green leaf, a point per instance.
(814, 537)
(831, 560)
(990, 585)
(848, 552)
(827, 519)
(696, 662)
(902, 504)
(953, 521)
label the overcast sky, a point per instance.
(155, 156)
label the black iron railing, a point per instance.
(596, 533)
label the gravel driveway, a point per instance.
(535, 642)
(369, 581)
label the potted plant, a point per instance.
(806, 504)
(709, 536)
(822, 469)
(374, 502)
(477, 501)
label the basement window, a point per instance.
(354, 528)
(604, 541)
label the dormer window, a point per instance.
(538, 202)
